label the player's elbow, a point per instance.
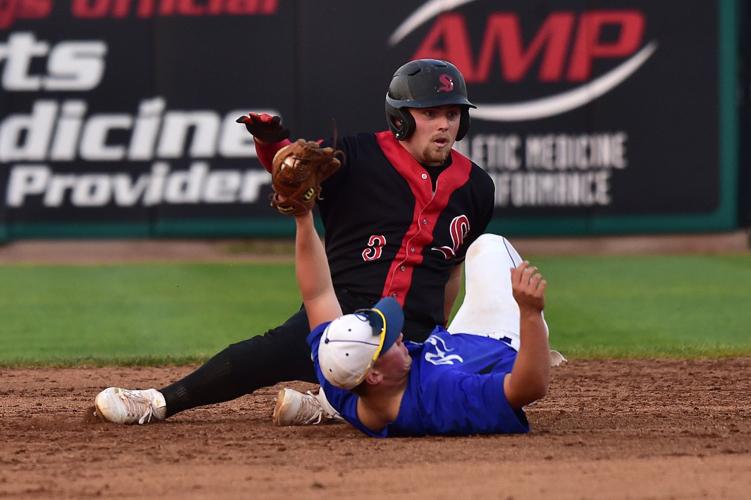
(534, 389)
(538, 390)
(526, 390)
(541, 380)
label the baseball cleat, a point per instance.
(295, 408)
(556, 358)
(123, 406)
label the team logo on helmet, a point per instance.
(447, 83)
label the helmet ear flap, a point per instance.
(407, 125)
(400, 122)
(464, 122)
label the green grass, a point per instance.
(137, 314)
(683, 306)
(650, 306)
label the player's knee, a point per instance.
(483, 243)
(488, 239)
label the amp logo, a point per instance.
(562, 52)
(566, 44)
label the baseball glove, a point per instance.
(298, 171)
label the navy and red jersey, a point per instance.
(387, 232)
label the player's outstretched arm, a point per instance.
(313, 275)
(268, 133)
(528, 380)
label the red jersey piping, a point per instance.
(428, 208)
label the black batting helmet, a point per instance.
(425, 83)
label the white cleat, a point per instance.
(295, 408)
(123, 406)
(556, 358)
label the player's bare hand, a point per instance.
(528, 287)
(264, 127)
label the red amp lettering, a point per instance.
(588, 45)
(553, 34)
(449, 39)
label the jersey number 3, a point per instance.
(374, 248)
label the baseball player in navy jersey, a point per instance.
(453, 383)
(398, 217)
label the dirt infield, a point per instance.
(608, 429)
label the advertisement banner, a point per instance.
(117, 117)
(592, 116)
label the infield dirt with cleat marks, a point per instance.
(607, 429)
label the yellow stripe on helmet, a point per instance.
(382, 338)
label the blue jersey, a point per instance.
(455, 386)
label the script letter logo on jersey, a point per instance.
(458, 230)
(440, 356)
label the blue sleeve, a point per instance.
(313, 339)
(468, 403)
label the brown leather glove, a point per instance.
(298, 171)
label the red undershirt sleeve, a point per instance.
(266, 151)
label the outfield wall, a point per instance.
(117, 116)
(744, 118)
